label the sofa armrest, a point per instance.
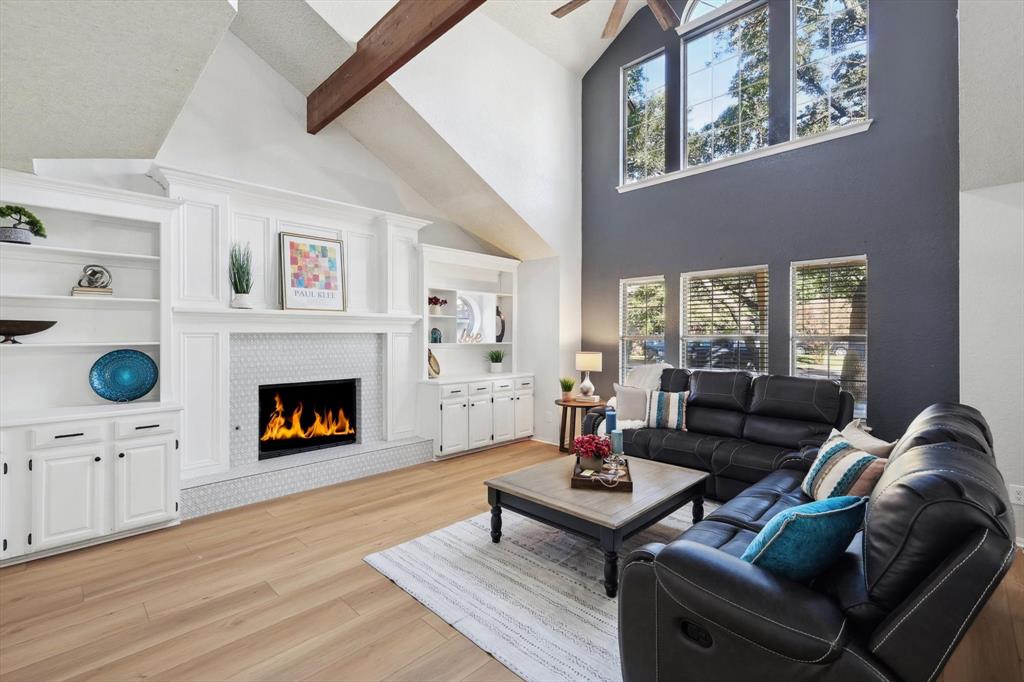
(592, 419)
(801, 460)
(746, 601)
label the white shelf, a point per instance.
(443, 317)
(8, 250)
(44, 415)
(277, 312)
(81, 344)
(469, 345)
(79, 300)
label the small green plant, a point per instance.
(567, 384)
(496, 355)
(240, 268)
(24, 219)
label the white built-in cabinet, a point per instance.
(80, 476)
(468, 414)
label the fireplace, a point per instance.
(304, 416)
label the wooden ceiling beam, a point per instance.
(401, 34)
(611, 27)
(568, 7)
(664, 13)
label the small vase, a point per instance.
(435, 310)
(15, 235)
(592, 463)
(566, 395)
(240, 301)
(496, 367)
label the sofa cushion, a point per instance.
(801, 542)
(675, 380)
(720, 390)
(682, 448)
(724, 536)
(746, 461)
(755, 506)
(813, 400)
(946, 423)
(793, 433)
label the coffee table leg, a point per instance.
(496, 523)
(698, 509)
(611, 573)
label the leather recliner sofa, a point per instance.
(937, 538)
(740, 428)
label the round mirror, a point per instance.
(467, 316)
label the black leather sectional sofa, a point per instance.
(938, 537)
(740, 428)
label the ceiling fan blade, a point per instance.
(614, 19)
(664, 13)
(568, 7)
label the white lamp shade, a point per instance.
(588, 361)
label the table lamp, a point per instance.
(587, 361)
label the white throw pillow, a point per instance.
(647, 377)
(630, 403)
(857, 434)
(621, 425)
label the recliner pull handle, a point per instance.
(697, 634)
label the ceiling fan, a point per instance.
(661, 9)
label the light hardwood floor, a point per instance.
(278, 591)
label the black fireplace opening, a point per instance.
(309, 415)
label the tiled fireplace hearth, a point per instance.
(328, 373)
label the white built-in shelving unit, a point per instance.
(125, 232)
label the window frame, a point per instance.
(698, 28)
(839, 260)
(623, 337)
(622, 114)
(793, 82)
(684, 296)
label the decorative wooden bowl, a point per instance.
(11, 328)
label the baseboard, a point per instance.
(546, 442)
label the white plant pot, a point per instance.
(241, 301)
(496, 367)
(436, 310)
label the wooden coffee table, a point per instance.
(543, 493)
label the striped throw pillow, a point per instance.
(841, 469)
(667, 410)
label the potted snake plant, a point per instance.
(240, 271)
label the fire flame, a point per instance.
(278, 428)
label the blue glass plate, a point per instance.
(123, 375)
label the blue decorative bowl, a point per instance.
(123, 375)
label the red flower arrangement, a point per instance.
(592, 446)
(436, 300)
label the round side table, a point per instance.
(569, 409)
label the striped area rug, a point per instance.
(534, 601)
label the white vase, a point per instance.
(435, 310)
(241, 301)
(496, 367)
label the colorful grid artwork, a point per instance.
(313, 266)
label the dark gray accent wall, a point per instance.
(890, 193)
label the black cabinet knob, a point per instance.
(98, 458)
(121, 455)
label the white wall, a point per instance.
(992, 319)
(244, 121)
(538, 351)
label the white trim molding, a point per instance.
(779, 148)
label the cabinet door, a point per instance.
(524, 415)
(480, 423)
(144, 489)
(504, 418)
(14, 525)
(68, 496)
(454, 426)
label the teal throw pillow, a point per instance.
(801, 542)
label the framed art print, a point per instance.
(312, 273)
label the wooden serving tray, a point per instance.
(623, 484)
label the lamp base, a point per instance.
(586, 387)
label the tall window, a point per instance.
(724, 318)
(644, 119)
(829, 325)
(642, 322)
(726, 86)
(830, 52)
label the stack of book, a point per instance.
(92, 291)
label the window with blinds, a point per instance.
(642, 323)
(830, 324)
(724, 318)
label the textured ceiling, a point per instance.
(991, 92)
(99, 79)
(574, 41)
